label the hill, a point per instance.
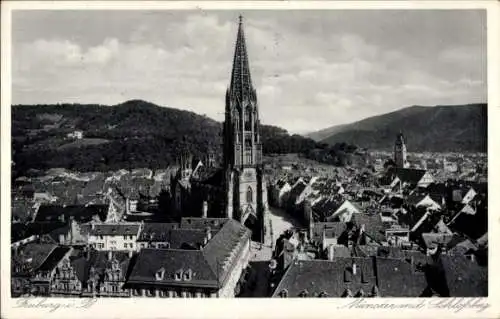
(132, 134)
(460, 128)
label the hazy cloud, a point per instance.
(311, 69)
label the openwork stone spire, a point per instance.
(241, 81)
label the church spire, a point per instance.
(241, 81)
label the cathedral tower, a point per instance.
(400, 156)
(245, 187)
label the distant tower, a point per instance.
(400, 156)
(245, 186)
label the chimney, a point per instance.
(130, 253)
(205, 210)
(354, 268)
(110, 255)
(208, 233)
(472, 257)
(362, 229)
(331, 252)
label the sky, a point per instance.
(311, 69)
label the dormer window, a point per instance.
(283, 293)
(178, 275)
(323, 294)
(304, 293)
(188, 275)
(347, 293)
(360, 293)
(160, 274)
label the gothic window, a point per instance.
(248, 119)
(249, 195)
(248, 157)
(248, 141)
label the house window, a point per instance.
(178, 275)
(249, 195)
(101, 237)
(160, 274)
(151, 292)
(100, 245)
(137, 292)
(131, 245)
(188, 274)
(125, 245)
(124, 237)
(131, 237)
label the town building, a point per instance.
(213, 270)
(400, 152)
(344, 277)
(119, 236)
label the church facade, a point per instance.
(245, 186)
(237, 190)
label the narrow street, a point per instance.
(276, 222)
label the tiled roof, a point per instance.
(182, 238)
(374, 226)
(30, 257)
(296, 191)
(414, 199)
(409, 175)
(21, 231)
(464, 247)
(172, 261)
(464, 278)
(398, 278)
(364, 250)
(202, 223)
(219, 248)
(115, 229)
(79, 213)
(156, 231)
(340, 251)
(398, 253)
(54, 258)
(331, 277)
